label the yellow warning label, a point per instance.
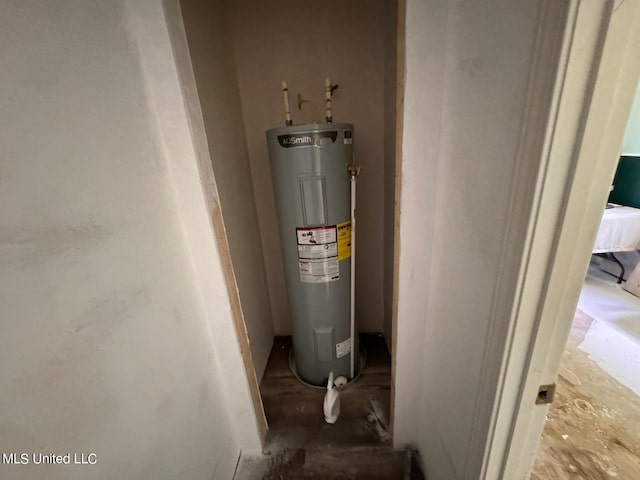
(344, 240)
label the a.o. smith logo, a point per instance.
(307, 139)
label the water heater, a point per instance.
(310, 170)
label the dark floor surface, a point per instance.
(373, 463)
(300, 445)
(294, 410)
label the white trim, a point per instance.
(585, 137)
(554, 31)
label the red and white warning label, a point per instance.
(317, 235)
(318, 254)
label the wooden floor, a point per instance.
(301, 446)
(294, 410)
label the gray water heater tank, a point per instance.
(311, 187)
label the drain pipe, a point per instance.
(354, 170)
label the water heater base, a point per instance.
(361, 364)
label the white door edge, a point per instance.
(584, 132)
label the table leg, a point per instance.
(615, 259)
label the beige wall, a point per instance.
(210, 49)
(390, 90)
(302, 43)
(105, 343)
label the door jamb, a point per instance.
(192, 110)
(584, 143)
(400, 82)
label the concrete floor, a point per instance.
(593, 427)
(300, 445)
(613, 340)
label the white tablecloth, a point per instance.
(619, 230)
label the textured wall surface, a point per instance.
(104, 343)
(211, 53)
(465, 95)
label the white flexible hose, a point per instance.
(285, 97)
(327, 99)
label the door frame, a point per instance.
(593, 93)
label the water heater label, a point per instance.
(319, 271)
(344, 240)
(318, 254)
(310, 139)
(307, 252)
(343, 348)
